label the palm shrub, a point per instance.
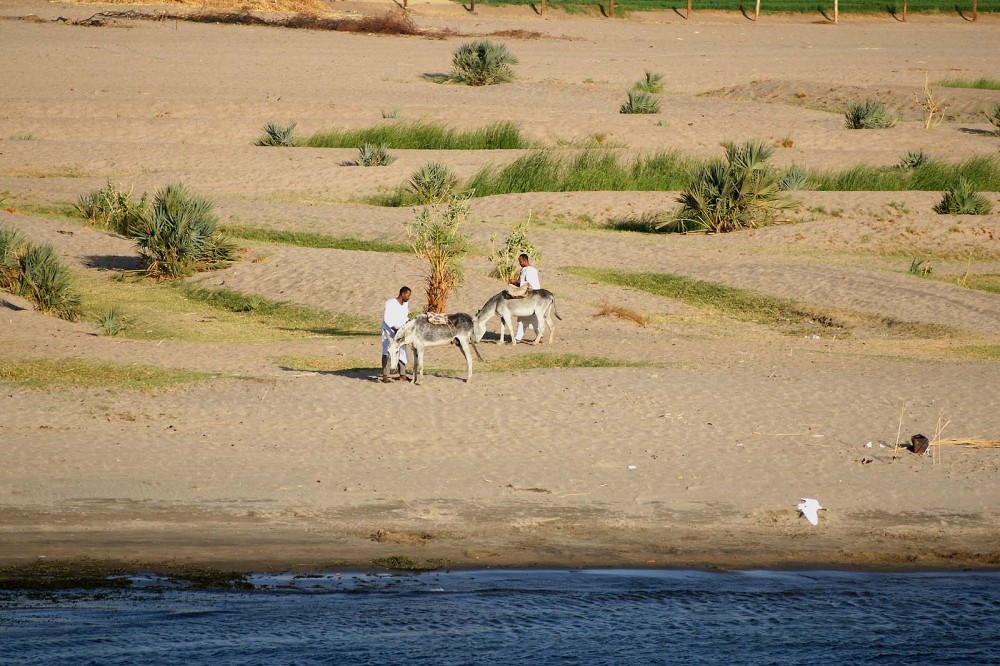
(962, 199)
(482, 63)
(433, 183)
(913, 159)
(375, 154)
(45, 281)
(795, 178)
(111, 322)
(742, 192)
(277, 135)
(869, 114)
(436, 236)
(504, 258)
(112, 209)
(651, 83)
(11, 242)
(179, 235)
(640, 102)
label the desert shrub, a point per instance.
(795, 178)
(482, 63)
(433, 183)
(111, 322)
(993, 115)
(921, 267)
(622, 312)
(869, 114)
(436, 236)
(504, 258)
(277, 135)
(112, 209)
(179, 235)
(374, 154)
(913, 159)
(650, 83)
(741, 193)
(962, 199)
(640, 102)
(35, 272)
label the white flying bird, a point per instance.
(810, 509)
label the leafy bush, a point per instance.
(640, 102)
(869, 114)
(435, 235)
(795, 178)
(913, 159)
(504, 258)
(179, 235)
(651, 83)
(742, 192)
(962, 199)
(482, 63)
(277, 135)
(374, 154)
(432, 183)
(35, 272)
(112, 208)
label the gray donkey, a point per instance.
(538, 303)
(420, 334)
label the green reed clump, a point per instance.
(482, 63)
(112, 208)
(650, 83)
(962, 199)
(277, 135)
(869, 114)
(982, 171)
(434, 182)
(913, 159)
(111, 323)
(982, 83)
(640, 102)
(423, 136)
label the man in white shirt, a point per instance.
(395, 314)
(527, 279)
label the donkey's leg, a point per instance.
(418, 363)
(463, 344)
(539, 320)
(551, 323)
(505, 319)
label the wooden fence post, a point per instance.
(975, 9)
(543, 7)
(836, 12)
(689, 11)
(611, 8)
(904, 11)
(756, 11)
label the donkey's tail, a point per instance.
(555, 311)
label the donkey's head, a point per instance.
(394, 344)
(479, 326)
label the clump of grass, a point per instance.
(921, 267)
(982, 83)
(913, 159)
(26, 136)
(743, 192)
(433, 183)
(869, 114)
(982, 171)
(43, 372)
(112, 208)
(482, 63)
(640, 102)
(622, 312)
(374, 154)
(314, 240)
(423, 136)
(993, 115)
(794, 178)
(962, 199)
(504, 258)
(111, 322)
(436, 236)
(650, 83)
(277, 135)
(543, 361)
(179, 235)
(36, 273)
(390, 113)
(647, 222)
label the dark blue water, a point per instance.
(516, 617)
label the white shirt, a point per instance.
(395, 315)
(529, 276)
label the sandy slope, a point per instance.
(728, 428)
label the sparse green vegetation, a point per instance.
(277, 135)
(983, 172)
(504, 258)
(993, 115)
(979, 352)
(913, 159)
(869, 114)
(646, 223)
(982, 83)
(776, 6)
(114, 209)
(962, 199)
(650, 83)
(111, 322)
(432, 183)
(66, 372)
(423, 136)
(543, 361)
(482, 63)
(436, 236)
(36, 273)
(795, 178)
(311, 239)
(921, 267)
(374, 154)
(640, 102)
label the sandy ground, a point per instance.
(697, 459)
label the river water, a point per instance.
(620, 617)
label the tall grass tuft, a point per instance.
(982, 83)
(962, 199)
(112, 209)
(869, 114)
(913, 159)
(741, 193)
(436, 236)
(111, 322)
(35, 272)
(982, 171)
(504, 258)
(650, 83)
(374, 154)
(433, 183)
(423, 136)
(640, 102)
(993, 115)
(277, 135)
(795, 178)
(179, 235)
(482, 63)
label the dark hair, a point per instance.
(404, 290)
(525, 257)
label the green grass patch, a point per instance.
(314, 240)
(982, 83)
(547, 360)
(979, 352)
(58, 212)
(980, 281)
(982, 173)
(70, 372)
(423, 136)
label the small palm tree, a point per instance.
(436, 236)
(375, 154)
(869, 114)
(651, 83)
(433, 183)
(962, 199)
(482, 63)
(277, 135)
(640, 102)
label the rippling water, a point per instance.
(529, 617)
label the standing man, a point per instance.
(396, 313)
(528, 278)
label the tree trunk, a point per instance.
(611, 8)
(836, 11)
(756, 11)
(975, 9)
(543, 7)
(904, 11)
(689, 10)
